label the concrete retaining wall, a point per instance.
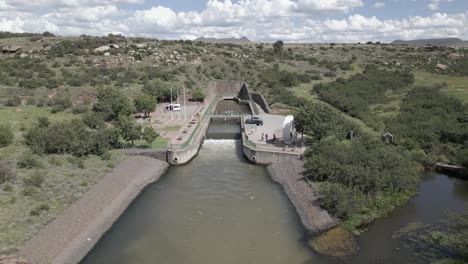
(263, 157)
(184, 155)
(160, 154)
(260, 100)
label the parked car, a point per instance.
(254, 120)
(173, 107)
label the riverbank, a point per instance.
(288, 174)
(69, 237)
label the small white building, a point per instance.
(287, 129)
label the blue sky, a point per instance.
(259, 20)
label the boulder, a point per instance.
(441, 66)
(23, 55)
(140, 46)
(107, 54)
(10, 49)
(114, 46)
(101, 49)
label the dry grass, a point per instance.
(337, 242)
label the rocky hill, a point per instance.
(435, 42)
(223, 40)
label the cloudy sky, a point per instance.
(259, 20)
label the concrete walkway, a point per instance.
(69, 237)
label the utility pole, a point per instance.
(178, 102)
(171, 108)
(185, 106)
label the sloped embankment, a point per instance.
(69, 237)
(289, 175)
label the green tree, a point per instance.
(198, 95)
(129, 130)
(160, 89)
(149, 135)
(317, 121)
(6, 135)
(94, 120)
(278, 48)
(72, 137)
(113, 103)
(145, 104)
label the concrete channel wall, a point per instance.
(184, 155)
(267, 157)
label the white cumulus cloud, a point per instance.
(435, 4)
(260, 20)
(379, 5)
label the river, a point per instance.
(216, 209)
(221, 209)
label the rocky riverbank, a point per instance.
(69, 237)
(303, 196)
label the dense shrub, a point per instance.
(13, 101)
(198, 95)
(27, 160)
(368, 166)
(35, 180)
(434, 122)
(39, 209)
(6, 135)
(70, 137)
(356, 94)
(7, 171)
(94, 120)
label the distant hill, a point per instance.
(224, 40)
(435, 42)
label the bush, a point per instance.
(198, 95)
(35, 180)
(7, 171)
(27, 160)
(39, 209)
(43, 121)
(77, 162)
(80, 109)
(106, 156)
(71, 137)
(28, 190)
(13, 101)
(94, 120)
(7, 187)
(341, 201)
(6, 135)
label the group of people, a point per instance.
(265, 136)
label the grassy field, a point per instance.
(171, 128)
(160, 142)
(456, 86)
(40, 192)
(26, 115)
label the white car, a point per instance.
(173, 107)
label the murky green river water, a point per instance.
(221, 209)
